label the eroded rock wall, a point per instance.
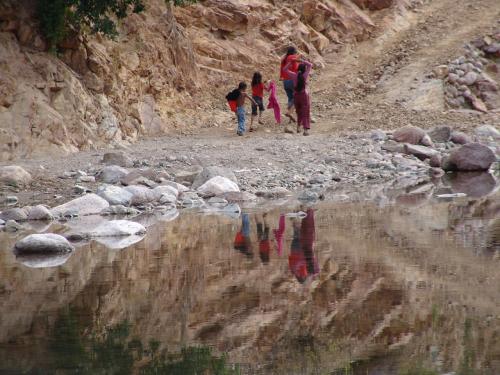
(165, 65)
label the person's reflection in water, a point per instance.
(263, 235)
(242, 240)
(301, 260)
(279, 234)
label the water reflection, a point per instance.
(343, 288)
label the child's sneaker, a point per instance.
(239, 133)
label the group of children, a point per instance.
(294, 74)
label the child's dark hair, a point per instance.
(291, 51)
(242, 86)
(257, 79)
(301, 83)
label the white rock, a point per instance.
(45, 243)
(487, 131)
(115, 195)
(89, 204)
(179, 187)
(210, 172)
(142, 194)
(116, 228)
(112, 174)
(14, 175)
(39, 212)
(216, 186)
(170, 190)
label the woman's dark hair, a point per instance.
(257, 79)
(242, 86)
(301, 83)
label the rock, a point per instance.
(188, 175)
(11, 200)
(45, 243)
(435, 161)
(2, 222)
(217, 201)
(374, 4)
(440, 134)
(421, 152)
(275, 193)
(120, 210)
(478, 104)
(115, 228)
(168, 199)
(473, 184)
(239, 196)
(117, 158)
(308, 196)
(378, 135)
(216, 186)
(114, 195)
(142, 195)
(441, 71)
(470, 78)
(112, 174)
(144, 177)
(487, 131)
(39, 212)
(180, 188)
(426, 141)
(17, 214)
(318, 179)
(86, 179)
(409, 134)
(170, 190)
(470, 157)
(14, 175)
(210, 172)
(392, 146)
(12, 226)
(460, 138)
(89, 204)
(453, 78)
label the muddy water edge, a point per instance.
(348, 287)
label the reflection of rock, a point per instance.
(474, 184)
(118, 243)
(46, 243)
(42, 261)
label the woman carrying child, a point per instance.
(301, 97)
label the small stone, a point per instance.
(112, 174)
(17, 214)
(86, 179)
(440, 133)
(118, 158)
(39, 212)
(45, 243)
(11, 200)
(308, 195)
(460, 138)
(14, 175)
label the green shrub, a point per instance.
(98, 16)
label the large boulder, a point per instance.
(45, 243)
(117, 158)
(14, 175)
(470, 157)
(112, 174)
(210, 172)
(217, 185)
(114, 195)
(411, 134)
(39, 212)
(89, 204)
(142, 195)
(440, 134)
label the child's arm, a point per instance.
(250, 98)
(308, 68)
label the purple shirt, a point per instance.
(293, 76)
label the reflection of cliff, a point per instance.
(384, 286)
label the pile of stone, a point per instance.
(469, 81)
(129, 192)
(447, 150)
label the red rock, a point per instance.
(470, 157)
(460, 138)
(374, 4)
(478, 104)
(409, 134)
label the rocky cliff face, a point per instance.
(166, 65)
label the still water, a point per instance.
(339, 288)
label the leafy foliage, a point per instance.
(98, 16)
